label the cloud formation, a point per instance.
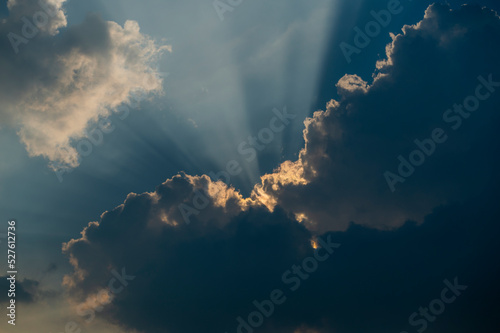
(339, 176)
(193, 256)
(203, 275)
(57, 79)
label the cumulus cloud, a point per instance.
(58, 79)
(48, 13)
(152, 212)
(183, 263)
(201, 276)
(349, 146)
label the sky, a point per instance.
(250, 166)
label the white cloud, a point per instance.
(62, 80)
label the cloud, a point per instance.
(352, 143)
(48, 12)
(62, 78)
(151, 212)
(201, 276)
(183, 263)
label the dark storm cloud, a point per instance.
(189, 278)
(148, 215)
(350, 146)
(202, 276)
(219, 263)
(380, 278)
